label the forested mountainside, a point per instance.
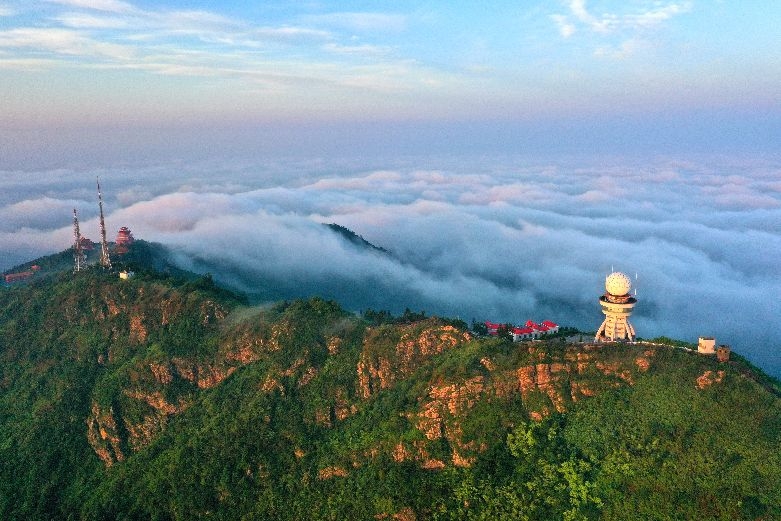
(165, 398)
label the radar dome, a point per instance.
(618, 284)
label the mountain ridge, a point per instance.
(170, 398)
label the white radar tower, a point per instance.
(617, 305)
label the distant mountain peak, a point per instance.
(356, 239)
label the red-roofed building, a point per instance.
(124, 240)
(522, 333)
(86, 244)
(125, 236)
(532, 331)
(528, 331)
(493, 329)
(552, 326)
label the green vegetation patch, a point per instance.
(168, 398)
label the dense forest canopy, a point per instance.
(165, 396)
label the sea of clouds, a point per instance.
(500, 238)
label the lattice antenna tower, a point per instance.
(79, 261)
(105, 258)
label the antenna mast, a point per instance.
(105, 258)
(78, 253)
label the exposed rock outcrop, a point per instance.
(161, 372)
(544, 381)
(138, 332)
(379, 368)
(331, 472)
(544, 387)
(103, 435)
(709, 378)
(205, 376)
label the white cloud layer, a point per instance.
(648, 14)
(479, 239)
(621, 31)
(112, 6)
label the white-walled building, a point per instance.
(706, 345)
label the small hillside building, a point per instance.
(706, 345)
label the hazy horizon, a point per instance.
(601, 72)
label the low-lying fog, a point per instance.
(506, 239)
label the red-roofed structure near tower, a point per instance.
(124, 240)
(86, 244)
(529, 331)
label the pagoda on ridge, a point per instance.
(123, 241)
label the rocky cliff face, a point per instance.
(529, 380)
(136, 321)
(569, 375)
(542, 381)
(103, 435)
(393, 353)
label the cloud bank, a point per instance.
(501, 239)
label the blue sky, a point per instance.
(112, 63)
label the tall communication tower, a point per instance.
(79, 260)
(105, 258)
